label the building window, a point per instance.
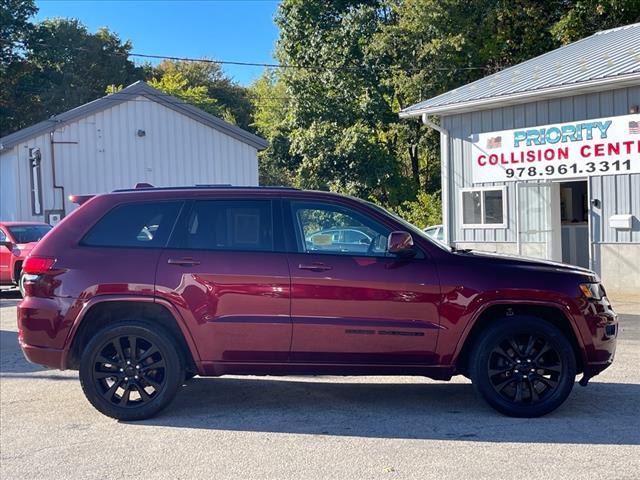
(483, 207)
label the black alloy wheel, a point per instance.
(131, 370)
(523, 366)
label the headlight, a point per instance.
(592, 291)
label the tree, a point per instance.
(340, 108)
(269, 100)
(586, 17)
(175, 83)
(232, 99)
(66, 66)
(14, 31)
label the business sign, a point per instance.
(606, 146)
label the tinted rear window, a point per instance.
(28, 233)
(135, 225)
(227, 225)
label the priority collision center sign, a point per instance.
(606, 146)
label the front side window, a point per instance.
(244, 225)
(484, 208)
(336, 230)
(3, 236)
(135, 225)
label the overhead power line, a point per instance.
(285, 66)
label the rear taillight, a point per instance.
(37, 265)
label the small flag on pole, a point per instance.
(494, 142)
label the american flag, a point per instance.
(494, 142)
(634, 128)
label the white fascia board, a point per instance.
(525, 97)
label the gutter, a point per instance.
(521, 97)
(52, 143)
(444, 173)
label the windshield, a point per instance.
(28, 233)
(410, 227)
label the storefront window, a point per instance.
(471, 208)
(483, 208)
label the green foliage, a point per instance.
(232, 100)
(176, 84)
(269, 99)
(424, 211)
(14, 29)
(589, 16)
(61, 66)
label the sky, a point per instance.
(235, 30)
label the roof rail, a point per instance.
(140, 186)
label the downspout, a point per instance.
(444, 175)
(53, 175)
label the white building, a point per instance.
(136, 135)
(543, 159)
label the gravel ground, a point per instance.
(317, 427)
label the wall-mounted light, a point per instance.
(634, 109)
(141, 133)
(595, 203)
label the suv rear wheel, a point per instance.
(523, 366)
(131, 370)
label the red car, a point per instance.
(142, 289)
(17, 239)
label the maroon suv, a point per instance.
(142, 289)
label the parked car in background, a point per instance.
(141, 289)
(346, 239)
(436, 232)
(17, 239)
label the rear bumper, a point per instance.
(43, 330)
(48, 357)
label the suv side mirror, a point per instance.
(400, 243)
(7, 244)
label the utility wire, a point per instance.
(272, 65)
(284, 66)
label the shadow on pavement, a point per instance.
(11, 358)
(603, 413)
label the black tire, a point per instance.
(128, 386)
(21, 285)
(523, 366)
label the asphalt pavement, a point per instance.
(317, 427)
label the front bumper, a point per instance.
(600, 348)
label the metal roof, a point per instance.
(130, 93)
(610, 58)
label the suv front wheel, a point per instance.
(523, 366)
(131, 370)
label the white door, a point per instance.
(538, 226)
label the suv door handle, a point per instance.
(315, 267)
(185, 262)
